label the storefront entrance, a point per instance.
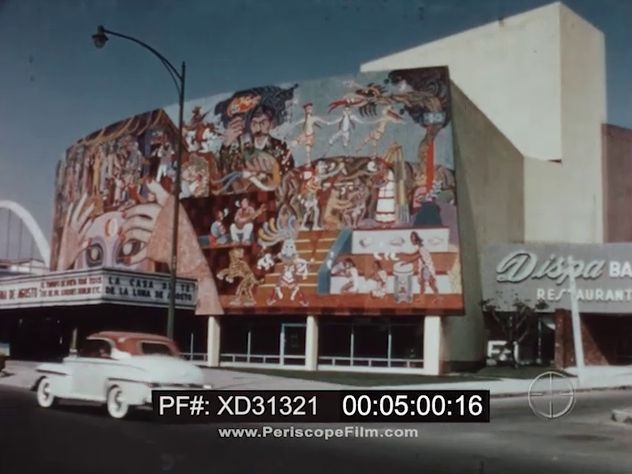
(258, 341)
(366, 342)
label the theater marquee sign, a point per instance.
(540, 272)
(94, 287)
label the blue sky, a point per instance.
(56, 87)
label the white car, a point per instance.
(119, 369)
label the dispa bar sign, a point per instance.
(94, 287)
(541, 272)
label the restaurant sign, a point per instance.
(93, 287)
(542, 272)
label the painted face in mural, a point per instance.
(260, 126)
(108, 246)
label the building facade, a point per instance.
(341, 224)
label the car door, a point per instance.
(90, 369)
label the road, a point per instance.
(82, 439)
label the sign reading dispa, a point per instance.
(540, 272)
(93, 287)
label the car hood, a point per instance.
(166, 369)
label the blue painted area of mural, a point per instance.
(341, 245)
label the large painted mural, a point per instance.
(333, 196)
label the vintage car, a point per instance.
(119, 369)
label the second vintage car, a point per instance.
(119, 369)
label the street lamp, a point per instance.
(100, 38)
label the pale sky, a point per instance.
(56, 87)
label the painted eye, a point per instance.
(130, 248)
(94, 255)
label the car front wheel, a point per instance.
(45, 397)
(116, 404)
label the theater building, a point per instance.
(341, 224)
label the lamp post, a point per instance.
(100, 38)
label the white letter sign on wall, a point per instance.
(534, 272)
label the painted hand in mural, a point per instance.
(234, 130)
(73, 240)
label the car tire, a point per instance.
(115, 403)
(45, 398)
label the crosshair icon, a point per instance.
(551, 395)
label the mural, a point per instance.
(331, 196)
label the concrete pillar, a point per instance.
(311, 343)
(433, 344)
(212, 341)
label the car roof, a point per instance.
(121, 336)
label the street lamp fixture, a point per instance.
(100, 38)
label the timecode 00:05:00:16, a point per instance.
(421, 405)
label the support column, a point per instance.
(212, 341)
(311, 343)
(433, 344)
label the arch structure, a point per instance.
(31, 224)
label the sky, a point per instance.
(57, 87)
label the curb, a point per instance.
(622, 416)
(577, 390)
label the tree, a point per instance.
(516, 324)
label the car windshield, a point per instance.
(160, 348)
(96, 348)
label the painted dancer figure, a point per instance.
(293, 267)
(307, 137)
(346, 123)
(377, 133)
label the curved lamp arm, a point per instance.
(101, 37)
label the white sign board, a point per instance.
(94, 287)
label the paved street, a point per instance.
(81, 439)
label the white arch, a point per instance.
(31, 225)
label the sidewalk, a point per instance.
(22, 374)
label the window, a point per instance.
(149, 348)
(99, 348)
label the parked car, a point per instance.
(119, 369)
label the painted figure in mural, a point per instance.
(358, 195)
(219, 233)
(200, 134)
(238, 268)
(253, 157)
(242, 227)
(307, 137)
(379, 277)
(347, 268)
(293, 268)
(312, 185)
(376, 134)
(195, 177)
(337, 203)
(164, 152)
(346, 123)
(385, 210)
(97, 162)
(425, 266)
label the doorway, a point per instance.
(292, 340)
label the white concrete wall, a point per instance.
(540, 78)
(509, 69)
(584, 110)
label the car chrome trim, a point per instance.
(49, 371)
